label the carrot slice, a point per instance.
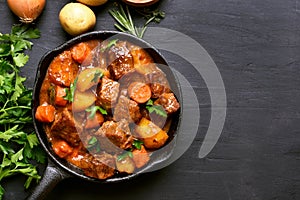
(95, 121)
(139, 92)
(140, 157)
(62, 148)
(81, 52)
(45, 113)
(60, 93)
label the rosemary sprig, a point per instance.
(126, 24)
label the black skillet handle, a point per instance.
(51, 177)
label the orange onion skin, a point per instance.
(26, 10)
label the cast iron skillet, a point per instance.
(59, 169)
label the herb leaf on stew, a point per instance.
(70, 92)
(97, 76)
(137, 144)
(158, 109)
(94, 109)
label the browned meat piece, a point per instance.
(169, 102)
(140, 56)
(157, 89)
(155, 78)
(100, 166)
(127, 109)
(108, 93)
(120, 60)
(65, 127)
(158, 120)
(130, 77)
(63, 69)
(104, 165)
(114, 136)
(158, 82)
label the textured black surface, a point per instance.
(256, 46)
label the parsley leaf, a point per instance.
(94, 109)
(158, 109)
(137, 144)
(18, 144)
(20, 59)
(70, 92)
(124, 155)
(93, 145)
(98, 74)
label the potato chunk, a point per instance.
(89, 78)
(125, 165)
(83, 100)
(152, 136)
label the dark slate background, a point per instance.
(256, 46)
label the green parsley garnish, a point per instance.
(93, 145)
(137, 144)
(70, 92)
(98, 74)
(124, 155)
(94, 109)
(18, 143)
(158, 109)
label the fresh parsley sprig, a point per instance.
(18, 143)
(152, 15)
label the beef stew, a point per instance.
(105, 122)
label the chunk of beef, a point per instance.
(100, 166)
(104, 165)
(63, 69)
(108, 93)
(130, 77)
(158, 82)
(169, 102)
(127, 109)
(120, 60)
(114, 136)
(140, 55)
(155, 78)
(65, 127)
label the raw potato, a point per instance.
(76, 18)
(93, 2)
